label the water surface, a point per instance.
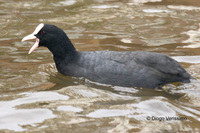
(34, 97)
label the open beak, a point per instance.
(32, 36)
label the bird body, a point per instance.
(128, 69)
(138, 69)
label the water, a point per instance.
(34, 97)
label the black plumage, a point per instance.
(129, 69)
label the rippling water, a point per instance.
(35, 98)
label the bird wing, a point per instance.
(132, 63)
(160, 62)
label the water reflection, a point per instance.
(187, 59)
(69, 108)
(12, 117)
(108, 113)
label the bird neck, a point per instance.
(64, 55)
(63, 49)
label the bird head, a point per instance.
(46, 35)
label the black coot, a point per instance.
(128, 69)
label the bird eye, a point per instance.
(43, 32)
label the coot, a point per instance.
(128, 69)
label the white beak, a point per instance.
(32, 36)
(36, 44)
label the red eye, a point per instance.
(43, 32)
